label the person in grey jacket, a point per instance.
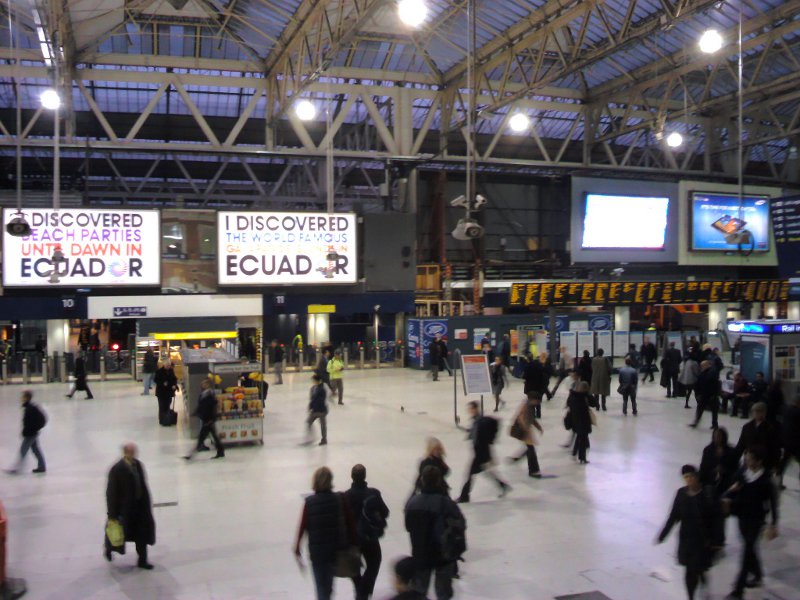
(690, 371)
(628, 385)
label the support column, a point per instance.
(57, 336)
(717, 315)
(771, 310)
(622, 318)
(793, 311)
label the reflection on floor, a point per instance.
(225, 527)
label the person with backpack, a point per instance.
(33, 421)
(405, 570)
(317, 409)
(437, 529)
(335, 370)
(522, 430)
(149, 366)
(482, 433)
(370, 513)
(208, 413)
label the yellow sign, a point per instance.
(195, 335)
(321, 309)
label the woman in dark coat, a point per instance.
(434, 456)
(696, 510)
(585, 367)
(128, 501)
(581, 418)
(323, 514)
(166, 383)
(720, 462)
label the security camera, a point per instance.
(617, 272)
(480, 201)
(377, 307)
(18, 226)
(460, 201)
(467, 229)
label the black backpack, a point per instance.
(492, 426)
(371, 522)
(452, 536)
(39, 418)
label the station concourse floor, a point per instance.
(230, 535)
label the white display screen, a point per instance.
(116, 247)
(635, 222)
(266, 248)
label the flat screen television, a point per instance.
(622, 221)
(717, 218)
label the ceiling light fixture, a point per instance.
(305, 110)
(674, 140)
(710, 41)
(412, 12)
(519, 122)
(50, 99)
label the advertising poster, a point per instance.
(785, 363)
(607, 222)
(717, 218)
(266, 248)
(604, 341)
(413, 343)
(585, 342)
(621, 343)
(569, 340)
(475, 370)
(478, 334)
(460, 334)
(754, 357)
(601, 322)
(116, 247)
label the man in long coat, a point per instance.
(128, 501)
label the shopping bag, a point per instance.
(115, 533)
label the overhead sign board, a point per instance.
(547, 294)
(116, 247)
(130, 311)
(786, 227)
(269, 248)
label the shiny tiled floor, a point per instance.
(230, 535)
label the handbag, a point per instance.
(517, 431)
(115, 533)
(568, 420)
(348, 556)
(622, 389)
(593, 417)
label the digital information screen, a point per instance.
(786, 225)
(548, 294)
(635, 222)
(715, 217)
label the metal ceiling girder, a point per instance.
(314, 44)
(636, 95)
(549, 20)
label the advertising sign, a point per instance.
(585, 342)
(414, 343)
(116, 247)
(266, 248)
(717, 218)
(601, 322)
(604, 341)
(476, 375)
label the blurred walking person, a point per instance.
(128, 502)
(79, 372)
(482, 434)
(497, 374)
(207, 411)
(277, 360)
(522, 429)
(335, 370)
(687, 377)
(33, 421)
(580, 417)
(317, 409)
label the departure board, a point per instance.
(556, 293)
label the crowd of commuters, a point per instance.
(344, 530)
